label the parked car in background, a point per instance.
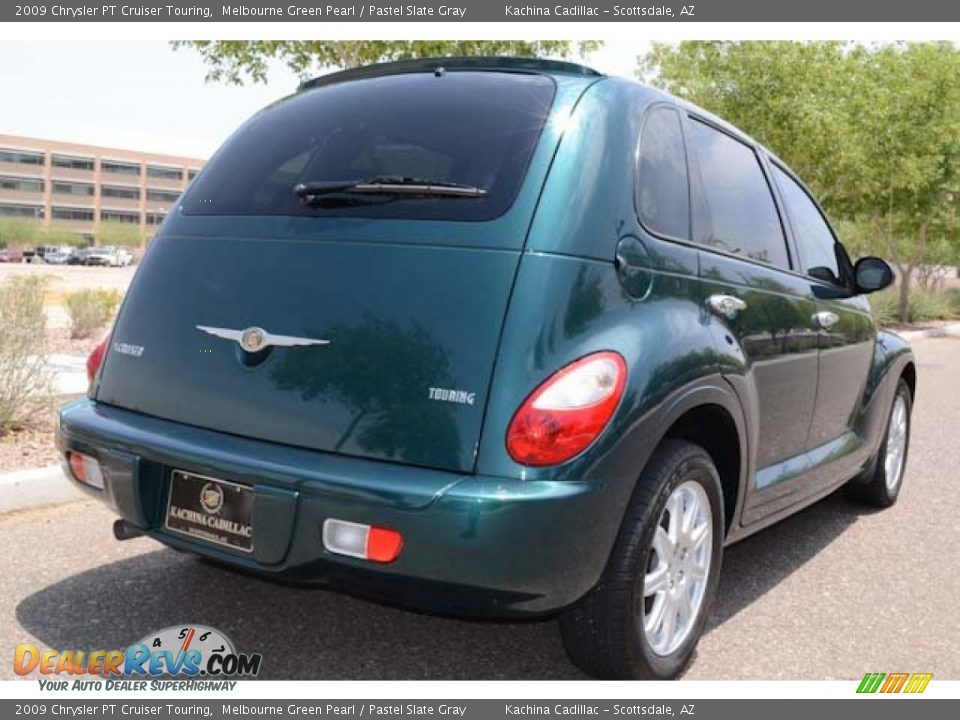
(78, 256)
(5, 256)
(494, 336)
(58, 256)
(109, 256)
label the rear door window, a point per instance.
(663, 191)
(820, 252)
(743, 217)
(470, 128)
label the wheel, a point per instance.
(644, 617)
(883, 487)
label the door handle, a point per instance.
(825, 320)
(726, 306)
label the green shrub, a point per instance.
(90, 310)
(885, 307)
(953, 300)
(925, 306)
(26, 379)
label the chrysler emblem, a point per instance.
(255, 339)
(252, 339)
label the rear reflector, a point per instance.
(366, 542)
(85, 469)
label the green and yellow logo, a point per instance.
(894, 682)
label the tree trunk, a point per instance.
(906, 275)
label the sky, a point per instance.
(147, 96)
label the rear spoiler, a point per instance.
(438, 65)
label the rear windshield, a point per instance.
(470, 128)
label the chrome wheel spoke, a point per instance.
(663, 545)
(654, 618)
(655, 581)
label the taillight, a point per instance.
(95, 359)
(568, 411)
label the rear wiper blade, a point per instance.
(388, 185)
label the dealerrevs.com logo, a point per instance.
(191, 652)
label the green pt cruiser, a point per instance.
(496, 337)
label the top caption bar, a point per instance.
(487, 11)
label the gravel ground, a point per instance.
(32, 445)
(833, 592)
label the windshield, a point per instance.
(472, 129)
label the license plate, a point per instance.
(206, 508)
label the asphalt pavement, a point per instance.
(831, 593)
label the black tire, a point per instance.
(875, 490)
(603, 633)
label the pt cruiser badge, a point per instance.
(255, 339)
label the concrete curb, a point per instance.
(953, 329)
(22, 489)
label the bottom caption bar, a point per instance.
(785, 709)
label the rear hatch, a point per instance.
(388, 304)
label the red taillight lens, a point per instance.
(568, 411)
(95, 358)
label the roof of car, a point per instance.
(441, 64)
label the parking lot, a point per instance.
(831, 593)
(67, 278)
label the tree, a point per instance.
(874, 130)
(18, 232)
(119, 234)
(238, 61)
(56, 235)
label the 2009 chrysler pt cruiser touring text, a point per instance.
(493, 336)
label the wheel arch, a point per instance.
(710, 415)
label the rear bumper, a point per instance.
(472, 544)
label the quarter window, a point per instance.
(743, 217)
(819, 249)
(663, 192)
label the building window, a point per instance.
(72, 188)
(72, 163)
(191, 174)
(120, 168)
(166, 173)
(118, 216)
(155, 218)
(162, 195)
(115, 191)
(21, 157)
(21, 184)
(66, 213)
(22, 211)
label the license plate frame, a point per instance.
(210, 510)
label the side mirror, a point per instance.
(872, 274)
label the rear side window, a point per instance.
(470, 128)
(818, 247)
(743, 217)
(663, 191)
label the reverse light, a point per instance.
(367, 542)
(95, 359)
(568, 411)
(85, 469)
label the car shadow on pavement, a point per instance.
(321, 634)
